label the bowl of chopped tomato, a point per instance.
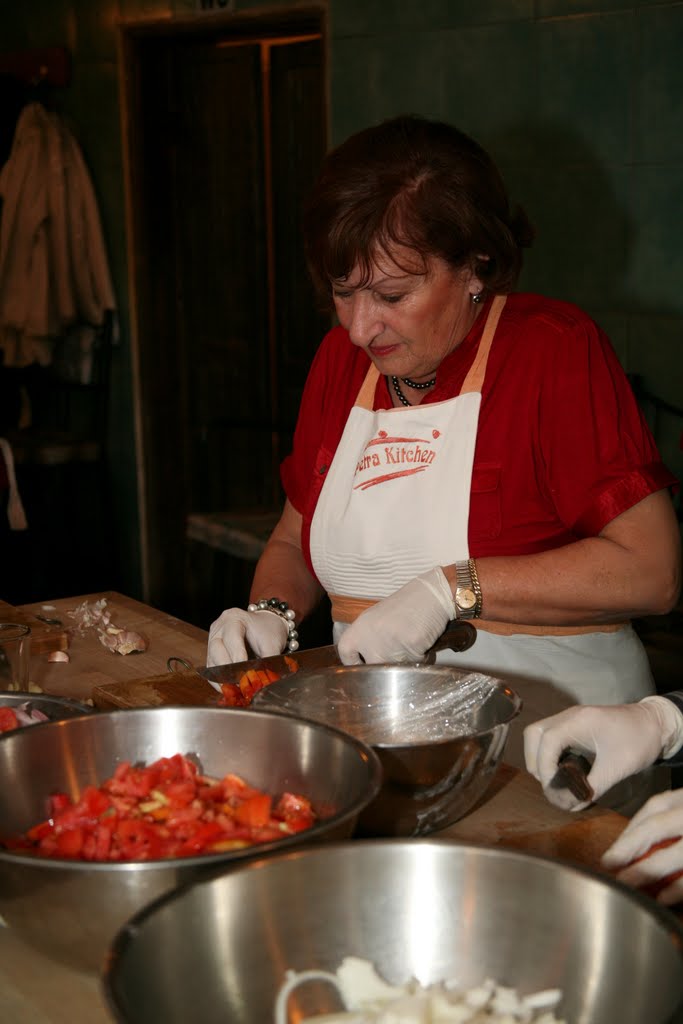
(108, 811)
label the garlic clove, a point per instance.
(58, 656)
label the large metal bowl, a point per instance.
(430, 909)
(439, 732)
(71, 909)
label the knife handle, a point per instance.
(457, 636)
(572, 774)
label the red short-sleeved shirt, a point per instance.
(562, 447)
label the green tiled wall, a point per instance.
(579, 101)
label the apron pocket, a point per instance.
(485, 501)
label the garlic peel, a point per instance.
(124, 641)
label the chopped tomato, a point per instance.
(297, 824)
(69, 843)
(231, 696)
(254, 680)
(292, 806)
(93, 802)
(201, 837)
(57, 803)
(39, 831)
(138, 840)
(254, 811)
(241, 694)
(180, 794)
(8, 719)
(234, 786)
(292, 665)
(164, 810)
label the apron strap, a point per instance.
(366, 396)
(475, 378)
(347, 609)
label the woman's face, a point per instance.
(407, 320)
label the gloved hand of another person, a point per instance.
(624, 738)
(402, 626)
(660, 820)
(265, 632)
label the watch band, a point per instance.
(468, 598)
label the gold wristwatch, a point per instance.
(467, 590)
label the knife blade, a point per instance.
(457, 636)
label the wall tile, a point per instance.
(357, 17)
(585, 76)
(617, 326)
(572, 8)
(657, 267)
(489, 83)
(585, 234)
(659, 77)
(657, 355)
(354, 73)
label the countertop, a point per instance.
(35, 990)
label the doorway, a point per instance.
(226, 129)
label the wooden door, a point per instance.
(229, 134)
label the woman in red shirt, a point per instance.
(462, 451)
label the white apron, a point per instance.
(396, 503)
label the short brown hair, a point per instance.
(417, 183)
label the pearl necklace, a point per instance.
(411, 383)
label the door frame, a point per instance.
(132, 38)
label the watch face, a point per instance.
(465, 598)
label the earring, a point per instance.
(477, 298)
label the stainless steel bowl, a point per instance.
(56, 708)
(430, 909)
(71, 909)
(439, 732)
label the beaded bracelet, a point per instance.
(281, 608)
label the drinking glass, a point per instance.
(15, 642)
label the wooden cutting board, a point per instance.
(44, 638)
(177, 688)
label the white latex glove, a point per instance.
(402, 626)
(623, 738)
(660, 819)
(265, 632)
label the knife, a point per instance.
(457, 636)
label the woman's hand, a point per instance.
(281, 570)
(265, 632)
(623, 738)
(659, 821)
(402, 626)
